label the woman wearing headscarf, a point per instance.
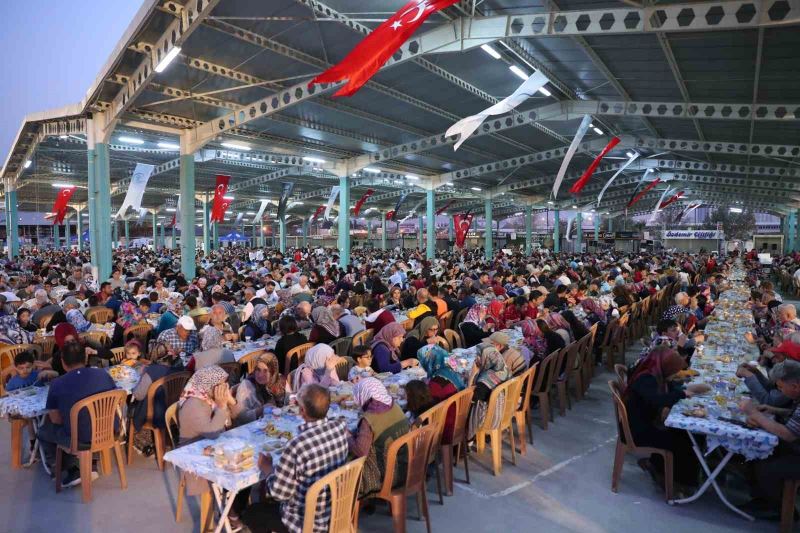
(381, 423)
(211, 351)
(204, 411)
(386, 349)
(576, 326)
(265, 386)
(558, 324)
(170, 317)
(319, 367)
(495, 312)
(515, 362)
(326, 329)
(474, 327)
(650, 395)
(426, 332)
(12, 332)
(152, 372)
(490, 371)
(534, 339)
(443, 382)
(258, 324)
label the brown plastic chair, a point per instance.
(173, 386)
(790, 487)
(436, 416)
(445, 321)
(542, 385)
(625, 445)
(577, 373)
(98, 315)
(418, 443)
(118, 355)
(342, 346)
(523, 412)
(140, 332)
(251, 359)
(48, 345)
(363, 338)
(343, 367)
(102, 411)
(622, 376)
(459, 318)
(460, 402)
(342, 485)
(408, 324)
(298, 353)
(453, 338)
(567, 358)
(497, 421)
(95, 338)
(171, 420)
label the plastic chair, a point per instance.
(790, 487)
(95, 338)
(48, 345)
(234, 371)
(171, 419)
(343, 367)
(342, 484)
(363, 338)
(577, 372)
(457, 446)
(298, 353)
(453, 338)
(445, 321)
(625, 445)
(622, 376)
(118, 355)
(251, 359)
(173, 386)
(567, 358)
(102, 411)
(542, 385)
(98, 315)
(140, 332)
(459, 318)
(418, 444)
(508, 393)
(523, 412)
(436, 416)
(342, 346)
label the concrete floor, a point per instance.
(563, 484)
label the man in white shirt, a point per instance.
(301, 286)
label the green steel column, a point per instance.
(79, 227)
(155, 231)
(610, 224)
(790, 229)
(528, 229)
(102, 178)
(556, 231)
(174, 242)
(579, 232)
(596, 227)
(206, 234)
(383, 231)
(430, 213)
(163, 240)
(67, 234)
(127, 234)
(12, 222)
(797, 228)
(215, 236)
(56, 237)
(282, 231)
(261, 238)
(420, 223)
(305, 233)
(188, 245)
(489, 230)
(91, 203)
(451, 228)
(114, 235)
(344, 221)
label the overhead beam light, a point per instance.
(735, 209)
(169, 146)
(228, 197)
(518, 71)
(598, 131)
(550, 202)
(131, 140)
(475, 188)
(449, 183)
(629, 154)
(170, 209)
(172, 54)
(545, 91)
(371, 170)
(27, 163)
(412, 177)
(63, 136)
(236, 146)
(62, 185)
(491, 51)
(313, 160)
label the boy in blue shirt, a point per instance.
(26, 375)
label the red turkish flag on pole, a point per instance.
(644, 191)
(377, 47)
(60, 205)
(671, 200)
(584, 179)
(219, 198)
(361, 201)
(222, 208)
(462, 223)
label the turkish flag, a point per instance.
(317, 213)
(222, 208)
(60, 205)
(671, 200)
(390, 215)
(462, 223)
(584, 179)
(376, 48)
(644, 191)
(361, 201)
(219, 197)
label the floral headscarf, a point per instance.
(323, 318)
(276, 387)
(212, 338)
(202, 383)
(175, 305)
(493, 370)
(433, 358)
(474, 314)
(591, 306)
(556, 321)
(385, 336)
(370, 389)
(12, 333)
(534, 338)
(129, 315)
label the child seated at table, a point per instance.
(363, 367)
(26, 376)
(133, 356)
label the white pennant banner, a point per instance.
(573, 147)
(261, 210)
(142, 214)
(617, 173)
(467, 126)
(329, 206)
(692, 208)
(178, 214)
(569, 228)
(239, 218)
(133, 198)
(658, 203)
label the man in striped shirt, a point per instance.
(319, 448)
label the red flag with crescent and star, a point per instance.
(644, 191)
(671, 200)
(317, 213)
(461, 223)
(584, 179)
(60, 205)
(390, 215)
(361, 201)
(217, 210)
(376, 48)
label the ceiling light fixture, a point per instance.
(169, 146)
(62, 185)
(491, 51)
(550, 202)
(475, 188)
(131, 140)
(313, 159)
(170, 209)
(598, 131)
(172, 54)
(412, 177)
(545, 91)
(228, 197)
(518, 71)
(629, 154)
(27, 163)
(236, 146)
(735, 209)
(63, 136)
(371, 170)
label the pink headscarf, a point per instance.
(385, 336)
(370, 389)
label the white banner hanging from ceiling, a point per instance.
(617, 173)
(331, 199)
(573, 147)
(133, 198)
(261, 210)
(467, 126)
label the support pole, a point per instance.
(56, 237)
(188, 245)
(79, 227)
(488, 230)
(67, 234)
(556, 231)
(127, 234)
(597, 229)
(579, 232)
(282, 237)
(528, 229)
(12, 220)
(155, 231)
(99, 194)
(206, 233)
(430, 207)
(383, 231)
(305, 233)
(344, 222)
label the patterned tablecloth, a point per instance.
(30, 402)
(108, 329)
(716, 363)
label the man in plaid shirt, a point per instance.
(181, 338)
(318, 449)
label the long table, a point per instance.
(716, 363)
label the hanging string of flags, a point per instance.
(317, 213)
(664, 194)
(331, 200)
(133, 197)
(444, 207)
(671, 200)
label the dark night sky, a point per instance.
(53, 50)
